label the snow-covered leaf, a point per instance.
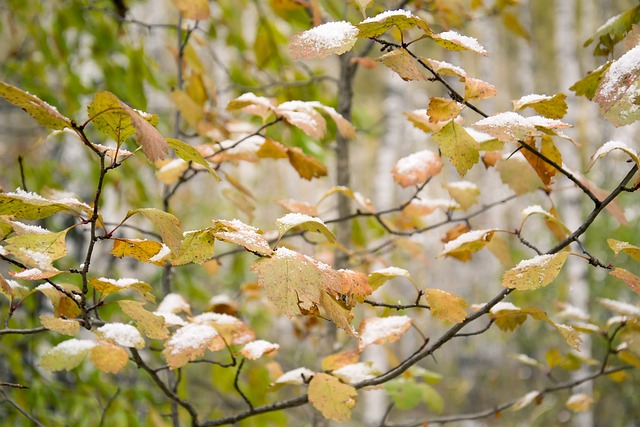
(620, 307)
(354, 373)
(189, 343)
(614, 145)
(446, 305)
(445, 69)
(618, 91)
(21, 204)
(121, 334)
(526, 400)
(324, 40)
(252, 104)
(464, 245)
(331, 397)
(507, 316)
(256, 349)
(536, 272)
(507, 126)
(458, 146)
(477, 90)
(381, 330)
(451, 40)
(45, 114)
(618, 246)
(196, 247)
(296, 376)
(38, 250)
(579, 402)
(553, 107)
(416, 168)
(235, 231)
(304, 116)
(306, 222)
(108, 286)
(612, 31)
(401, 19)
(379, 277)
(66, 355)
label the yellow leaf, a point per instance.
(272, 150)
(256, 349)
(168, 225)
(304, 116)
(38, 250)
(453, 41)
(148, 323)
(307, 167)
(331, 397)
(338, 360)
(190, 154)
(142, 250)
(404, 65)
(579, 402)
(629, 278)
(306, 222)
(108, 286)
(458, 146)
(196, 247)
(441, 109)
(553, 107)
(237, 232)
(535, 272)
(588, 85)
(507, 316)
(544, 170)
(66, 355)
(400, 19)
(109, 358)
(62, 326)
(465, 244)
(446, 306)
(416, 168)
(189, 109)
(518, 176)
(106, 114)
(379, 277)
(43, 113)
(477, 90)
(465, 193)
(193, 9)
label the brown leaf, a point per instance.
(307, 167)
(153, 144)
(404, 65)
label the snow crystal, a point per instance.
(355, 373)
(217, 318)
(506, 119)
(332, 37)
(470, 43)
(173, 303)
(220, 299)
(191, 336)
(534, 209)
(534, 97)
(171, 319)
(468, 237)
(613, 84)
(75, 346)
(296, 376)
(425, 159)
(293, 219)
(256, 349)
(503, 306)
(537, 261)
(44, 286)
(442, 65)
(121, 283)
(42, 260)
(462, 185)
(30, 229)
(121, 334)
(433, 204)
(163, 252)
(381, 17)
(478, 136)
(382, 327)
(26, 196)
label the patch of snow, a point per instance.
(256, 349)
(29, 229)
(533, 209)
(192, 336)
(28, 274)
(174, 303)
(392, 271)
(613, 83)
(124, 282)
(356, 372)
(162, 253)
(380, 328)
(381, 17)
(537, 261)
(293, 219)
(424, 159)
(26, 196)
(215, 318)
(503, 306)
(462, 185)
(609, 146)
(122, 334)
(547, 123)
(171, 319)
(530, 99)
(330, 38)
(470, 43)
(468, 237)
(42, 260)
(75, 346)
(296, 376)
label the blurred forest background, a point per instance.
(66, 50)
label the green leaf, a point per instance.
(190, 154)
(458, 146)
(331, 397)
(588, 85)
(66, 355)
(617, 93)
(196, 247)
(381, 23)
(45, 114)
(24, 205)
(553, 107)
(379, 277)
(237, 232)
(148, 323)
(613, 31)
(168, 225)
(108, 117)
(536, 272)
(407, 394)
(306, 222)
(38, 250)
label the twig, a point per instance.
(19, 409)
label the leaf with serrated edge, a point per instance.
(381, 23)
(237, 232)
(331, 38)
(306, 222)
(153, 144)
(148, 323)
(45, 114)
(66, 355)
(142, 250)
(616, 95)
(196, 247)
(109, 358)
(62, 326)
(465, 244)
(446, 306)
(629, 278)
(331, 397)
(108, 286)
(382, 330)
(404, 65)
(536, 272)
(458, 146)
(188, 343)
(614, 145)
(168, 225)
(553, 107)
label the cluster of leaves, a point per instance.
(522, 149)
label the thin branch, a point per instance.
(23, 331)
(236, 386)
(19, 409)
